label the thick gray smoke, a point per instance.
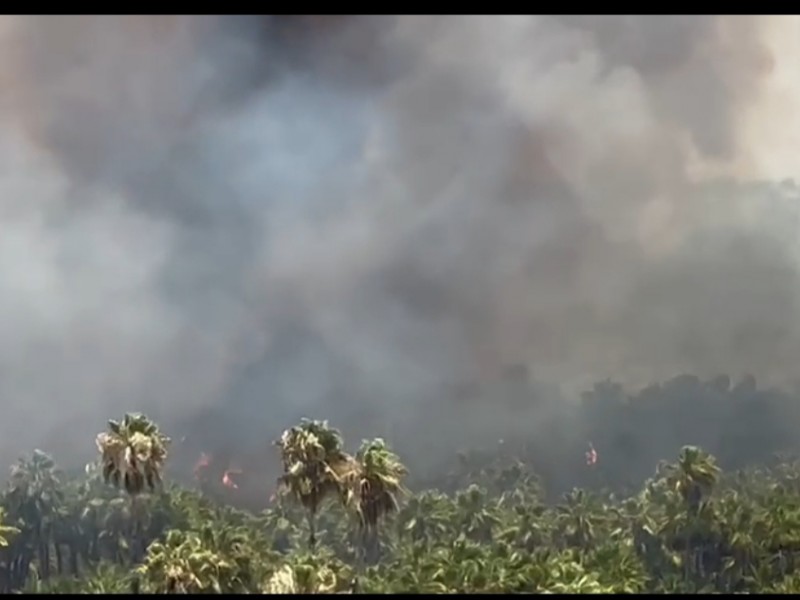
(350, 218)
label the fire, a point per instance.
(228, 481)
(591, 456)
(203, 463)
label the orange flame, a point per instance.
(203, 463)
(228, 481)
(591, 456)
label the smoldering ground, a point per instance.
(230, 223)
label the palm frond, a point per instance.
(133, 452)
(374, 482)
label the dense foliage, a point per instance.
(346, 523)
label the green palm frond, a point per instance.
(183, 564)
(375, 482)
(133, 453)
(7, 532)
(694, 475)
(313, 462)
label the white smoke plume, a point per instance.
(345, 217)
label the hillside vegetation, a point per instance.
(343, 520)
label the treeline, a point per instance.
(631, 431)
(345, 522)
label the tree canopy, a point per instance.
(691, 525)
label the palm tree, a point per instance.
(314, 467)
(306, 573)
(577, 518)
(693, 476)
(426, 517)
(133, 453)
(34, 499)
(375, 483)
(183, 564)
(282, 581)
(476, 515)
(7, 532)
(373, 487)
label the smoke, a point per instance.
(244, 221)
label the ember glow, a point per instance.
(227, 479)
(202, 464)
(591, 456)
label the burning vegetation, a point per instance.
(348, 522)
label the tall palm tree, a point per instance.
(34, 499)
(133, 453)
(314, 467)
(372, 488)
(693, 476)
(375, 483)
